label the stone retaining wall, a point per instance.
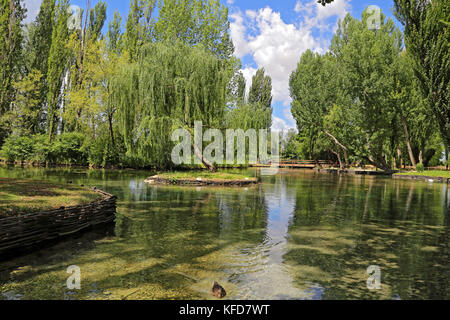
(22, 231)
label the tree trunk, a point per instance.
(344, 148)
(111, 132)
(408, 141)
(341, 164)
(205, 161)
(399, 159)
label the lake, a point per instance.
(297, 235)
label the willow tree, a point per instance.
(169, 87)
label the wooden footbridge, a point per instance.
(299, 164)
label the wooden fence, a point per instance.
(22, 231)
(301, 164)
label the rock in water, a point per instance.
(218, 291)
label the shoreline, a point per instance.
(212, 182)
(421, 178)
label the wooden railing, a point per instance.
(302, 163)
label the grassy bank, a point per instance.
(204, 175)
(26, 196)
(431, 173)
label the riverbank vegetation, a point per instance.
(378, 96)
(73, 93)
(77, 89)
(27, 196)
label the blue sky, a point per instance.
(272, 34)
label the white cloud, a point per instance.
(248, 73)
(277, 45)
(33, 7)
(281, 125)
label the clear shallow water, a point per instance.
(298, 235)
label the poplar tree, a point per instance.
(11, 39)
(39, 46)
(261, 89)
(260, 95)
(57, 64)
(427, 35)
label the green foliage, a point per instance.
(261, 89)
(427, 35)
(420, 167)
(17, 148)
(97, 18)
(67, 148)
(12, 13)
(58, 58)
(169, 87)
(361, 102)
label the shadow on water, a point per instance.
(298, 235)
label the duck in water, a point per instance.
(218, 291)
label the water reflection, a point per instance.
(298, 235)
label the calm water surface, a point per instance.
(298, 235)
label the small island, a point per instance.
(200, 178)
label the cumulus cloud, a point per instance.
(277, 45)
(32, 9)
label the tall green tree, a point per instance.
(11, 40)
(170, 87)
(139, 26)
(57, 65)
(237, 88)
(114, 37)
(366, 60)
(39, 47)
(194, 22)
(261, 89)
(260, 95)
(427, 35)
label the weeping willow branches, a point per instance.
(169, 87)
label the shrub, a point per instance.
(18, 148)
(100, 152)
(42, 148)
(68, 148)
(420, 167)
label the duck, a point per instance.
(218, 291)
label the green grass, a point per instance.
(431, 173)
(27, 196)
(203, 175)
